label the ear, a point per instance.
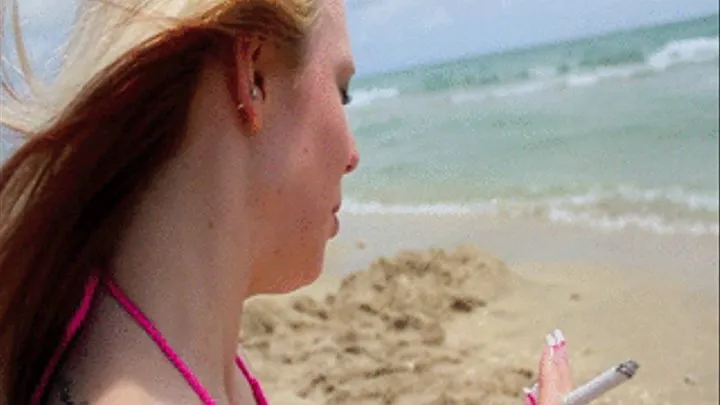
(249, 82)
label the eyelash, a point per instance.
(345, 96)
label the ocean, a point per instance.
(613, 132)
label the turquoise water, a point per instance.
(614, 132)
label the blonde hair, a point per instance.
(105, 30)
(96, 135)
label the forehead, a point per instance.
(330, 37)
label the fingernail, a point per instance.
(532, 390)
(560, 346)
(530, 397)
(550, 339)
(559, 338)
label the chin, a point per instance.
(293, 282)
(308, 278)
(293, 276)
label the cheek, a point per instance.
(287, 171)
(319, 126)
(305, 155)
(329, 137)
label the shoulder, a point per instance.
(106, 367)
(66, 392)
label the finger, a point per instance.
(547, 366)
(564, 379)
(530, 398)
(548, 378)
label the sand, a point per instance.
(460, 326)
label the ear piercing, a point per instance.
(254, 94)
(249, 114)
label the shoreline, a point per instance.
(689, 259)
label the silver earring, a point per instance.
(254, 94)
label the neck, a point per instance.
(179, 261)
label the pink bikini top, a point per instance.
(145, 323)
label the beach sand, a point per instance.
(434, 318)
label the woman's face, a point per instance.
(299, 157)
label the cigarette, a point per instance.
(603, 383)
(599, 385)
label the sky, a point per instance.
(393, 34)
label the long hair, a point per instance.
(114, 115)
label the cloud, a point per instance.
(419, 14)
(436, 17)
(391, 31)
(380, 12)
(390, 34)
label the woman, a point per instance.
(188, 156)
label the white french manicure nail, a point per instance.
(550, 340)
(559, 337)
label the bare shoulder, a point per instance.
(66, 392)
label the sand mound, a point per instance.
(381, 338)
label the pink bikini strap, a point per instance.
(158, 338)
(254, 383)
(81, 314)
(75, 323)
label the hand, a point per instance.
(554, 382)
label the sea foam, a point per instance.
(661, 211)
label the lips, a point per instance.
(336, 221)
